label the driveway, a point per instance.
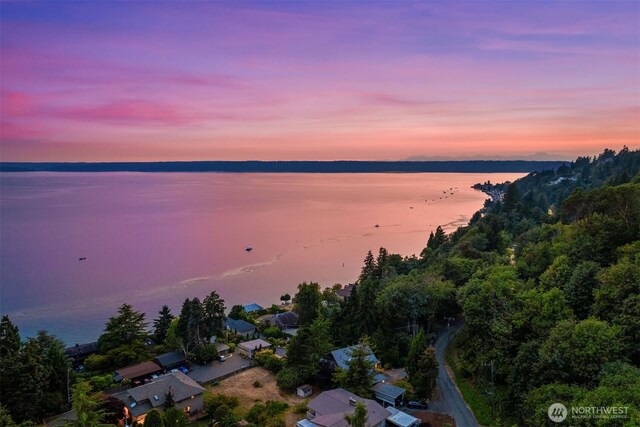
(449, 400)
(217, 370)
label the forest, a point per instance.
(544, 282)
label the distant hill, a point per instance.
(341, 166)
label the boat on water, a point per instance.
(248, 249)
(82, 258)
(377, 226)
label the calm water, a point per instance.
(154, 239)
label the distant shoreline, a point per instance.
(338, 166)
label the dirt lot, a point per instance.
(241, 386)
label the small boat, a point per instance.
(248, 249)
(82, 258)
(376, 226)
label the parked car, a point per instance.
(414, 404)
(221, 358)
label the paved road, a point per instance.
(449, 400)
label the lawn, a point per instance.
(242, 386)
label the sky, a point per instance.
(363, 80)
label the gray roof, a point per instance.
(402, 419)
(285, 320)
(346, 291)
(170, 359)
(254, 344)
(388, 390)
(331, 407)
(239, 326)
(142, 399)
(80, 350)
(221, 347)
(139, 370)
(343, 355)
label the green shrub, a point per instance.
(214, 400)
(288, 379)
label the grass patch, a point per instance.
(479, 403)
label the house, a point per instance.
(285, 320)
(401, 419)
(330, 408)
(79, 353)
(248, 348)
(388, 394)
(171, 360)
(304, 390)
(222, 348)
(342, 356)
(137, 373)
(186, 393)
(345, 292)
(250, 308)
(281, 352)
(240, 327)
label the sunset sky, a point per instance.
(214, 80)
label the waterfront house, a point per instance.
(186, 394)
(240, 327)
(388, 394)
(248, 349)
(250, 308)
(171, 360)
(330, 408)
(79, 353)
(137, 373)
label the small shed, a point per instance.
(304, 390)
(222, 348)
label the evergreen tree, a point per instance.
(307, 302)
(359, 417)
(162, 323)
(416, 351)
(9, 337)
(424, 378)
(213, 307)
(123, 329)
(369, 268)
(174, 417)
(436, 240)
(87, 407)
(358, 377)
(153, 419)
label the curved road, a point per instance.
(449, 399)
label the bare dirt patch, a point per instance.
(241, 386)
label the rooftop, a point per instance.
(252, 307)
(401, 419)
(342, 356)
(239, 325)
(170, 359)
(139, 370)
(389, 390)
(331, 407)
(254, 344)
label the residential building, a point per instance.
(137, 373)
(401, 419)
(330, 408)
(171, 360)
(79, 353)
(250, 308)
(304, 390)
(240, 327)
(247, 349)
(186, 393)
(388, 394)
(223, 349)
(345, 292)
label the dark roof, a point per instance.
(221, 347)
(252, 307)
(139, 370)
(79, 350)
(388, 390)
(286, 319)
(170, 359)
(331, 407)
(346, 291)
(239, 326)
